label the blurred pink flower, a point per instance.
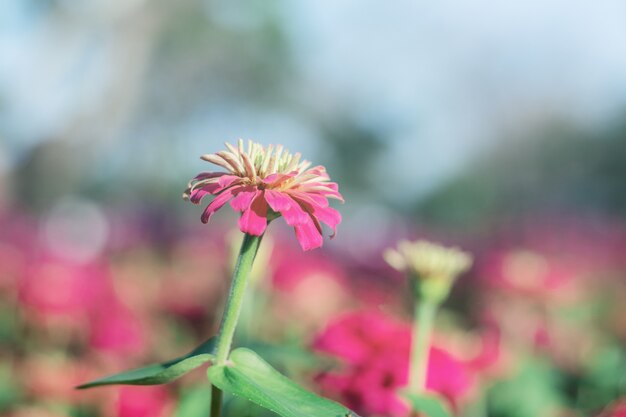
(263, 182)
(587, 243)
(297, 276)
(530, 295)
(375, 350)
(118, 331)
(291, 268)
(154, 401)
(53, 288)
(531, 274)
(490, 352)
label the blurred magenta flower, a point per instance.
(489, 359)
(55, 288)
(153, 401)
(296, 277)
(375, 349)
(119, 331)
(530, 274)
(533, 295)
(263, 183)
(292, 267)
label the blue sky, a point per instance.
(450, 76)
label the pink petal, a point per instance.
(197, 195)
(243, 199)
(295, 215)
(319, 212)
(226, 180)
(217, 203)
(254, 219)
(331, 189)
(310, 198)
(285, 205)
(308, 235)
(329, 216)
(317, 224)
(220, 161)
(213, 187)
(275, 180)
(206, 175)
(327, 189)
(319, 170)
(278, 201)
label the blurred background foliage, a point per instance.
(497, 126)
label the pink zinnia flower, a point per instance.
(375, 351)
(267, 182)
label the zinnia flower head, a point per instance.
(427, 260)
(529, 273)
(264, 183)
(375, 351)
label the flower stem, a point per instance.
(216, 401)
(249, 249)
(425, 311)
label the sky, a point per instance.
(450, 76)
(455, 75)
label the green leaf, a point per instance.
(290, 358)
(195, 402)
(159, 373)
(248, 376)
(429, 404)
(9, 390)
(534, 391)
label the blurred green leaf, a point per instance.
(234, 406)
(604, 379)
(8, 324)
(159, 373)
(535, 391)
(195, 403)
(429, 404)
(9, 392)
(250, 377)
(289, 357)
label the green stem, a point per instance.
(216, 401)
(249, 249)
(425, 312)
